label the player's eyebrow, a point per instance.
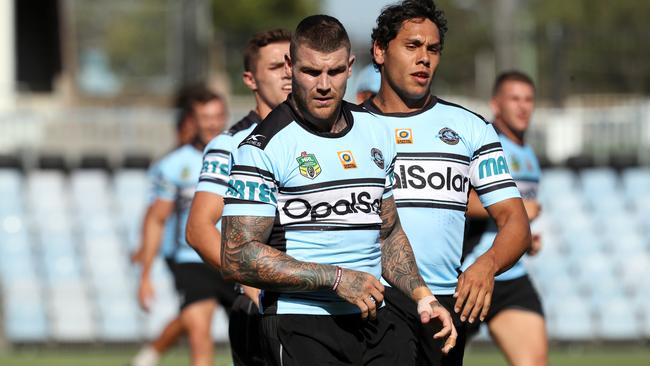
(274, 65)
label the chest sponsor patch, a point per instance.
(347, 159)
(403, 136)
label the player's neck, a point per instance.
(198, 144)
(390, 101)
(262, 109)
(514, 136)
(335, 124)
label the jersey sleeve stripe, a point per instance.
(243, 169)
(217, 152)
(496, 187)
(483, 149)
(237, 201)
(217, 181)
(487, 185)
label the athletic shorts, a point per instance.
(429, 350)
(320, 340)
(244, 333)
(518, 293)
(198, 281)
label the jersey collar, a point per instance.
(345, 110)
(372, 107)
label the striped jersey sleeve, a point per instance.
(215, 168)
(488, 171)
(253, 185)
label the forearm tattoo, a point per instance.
(247, 259)
(397, 259)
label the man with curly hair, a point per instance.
(443, 151)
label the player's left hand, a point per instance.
(253, 294)
(433, 310)
(536, 244)
(474, 291)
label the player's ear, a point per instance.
(287, 65)
(350, 63)
(249, 80)
(378, 53)
(494, 105)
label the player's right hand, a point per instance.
(363, 290)
(145, 294)
(137, 256)
(253, 294)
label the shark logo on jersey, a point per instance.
(377, 157)
(514, 163)
(448, 136)
(308, 165)
(403, 136)
(347, 160)
(255, 140)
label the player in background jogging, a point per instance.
(515, 318)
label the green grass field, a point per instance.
(483, 356)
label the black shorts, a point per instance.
(429, 350)
(518, 293)
(298, 340)
(198, 281)
(244, 333)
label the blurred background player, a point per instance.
(186, 133)
(175, 175)
(265, 76)
(515, 319)
(367, 83)
(442, 150)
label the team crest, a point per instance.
(403, 136)
(185, 173)
(514, 163)
(347, 160)
(377, 157)
(308, 165)
(448, 136)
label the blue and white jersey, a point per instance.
(525, 170)
(216, 156)
(443, 150)
(168, 240)
(324, 191)
(175, 177)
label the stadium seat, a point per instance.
(599, 181)
(24, 314)
(118, 319)
(72, 318)
(617, 320)
(635, 183)
(571, 320)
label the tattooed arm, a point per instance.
(401, 271)
(247, 259)
(397, 260)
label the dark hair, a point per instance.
(393, 16)
(189, 95)
(263, 39)
(512, 75)
(321, 33)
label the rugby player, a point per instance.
(265, 76)
(442, 150)
(149, 355)
(175, 177)
(309, 217)
(515, 318)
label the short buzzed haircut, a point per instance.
(260, 40)
(321, 33)
(512, 75)
(190, 95)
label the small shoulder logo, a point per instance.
(448, 136)
(308, 165)
(255, 140)
(377, 157)
(403, 136)
(514, 163)
(347, 160)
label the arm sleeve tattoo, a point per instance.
(247, 259)
(397, 259)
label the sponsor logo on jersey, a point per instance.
(308, 165)
(403, 136)
(255, 140)
(448, 136)
(361, 202)
(417, 177)
(346, 159)
(514, 163)
(377, 157)
(493, 166)
(251, 191)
